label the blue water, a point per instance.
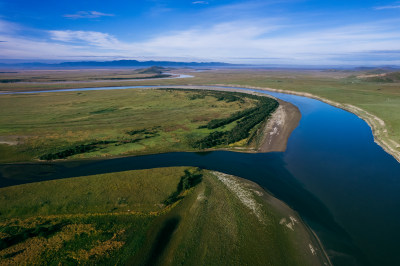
(341, 182)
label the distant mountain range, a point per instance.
(116, 63)
(141, 64)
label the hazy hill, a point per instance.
(385, 77)
(115, 63)
(152, 70)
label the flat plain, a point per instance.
(376, 91)
(78, 125)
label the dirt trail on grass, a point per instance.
(11, 140)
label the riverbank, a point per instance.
(80, 125)
(279, 127)
(360, 173)
(125, 218)
(180, 132)
(376, 124)
(294, 221)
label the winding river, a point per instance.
(333, 174)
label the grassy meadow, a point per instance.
(128, 218)
(78, 125)
(80, 75)
(381, 99)
(379, 96)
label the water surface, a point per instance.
(341, 182)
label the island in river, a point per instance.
(89, 124)
(155, 216)
(352, 171)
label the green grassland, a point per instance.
(381, 99)
(81, 75)
(378, 96)
(128, 218)
(78, 125)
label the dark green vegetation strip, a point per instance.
(246, 121)
(188, 180)
(242, 123)
(80, 125)
(97, 145)
(151, 77)
(75, 150)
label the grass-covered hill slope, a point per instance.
(152, 70)
(165, 216)
(76, 125)
(384, 77)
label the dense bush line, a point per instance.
(188, 180)
(216, 123)
(219, 95)
(82, 148)
(144, 131)
(246, 120)
(140, 134)
(129, 78)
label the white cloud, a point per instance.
(239, 41)
(233, 40)
(387, 7)
(200, 3)
(395, 5)
(99, 39)
(87, 14)
(8, 27)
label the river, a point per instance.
(345, 186)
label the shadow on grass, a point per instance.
(162, 240)
(43, 230)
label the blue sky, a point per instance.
(260, 32)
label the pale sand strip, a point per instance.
(279, 127)
(378, 126)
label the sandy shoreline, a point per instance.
(279, 127)
(275, 133)
(376, 124)
(314, 248)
